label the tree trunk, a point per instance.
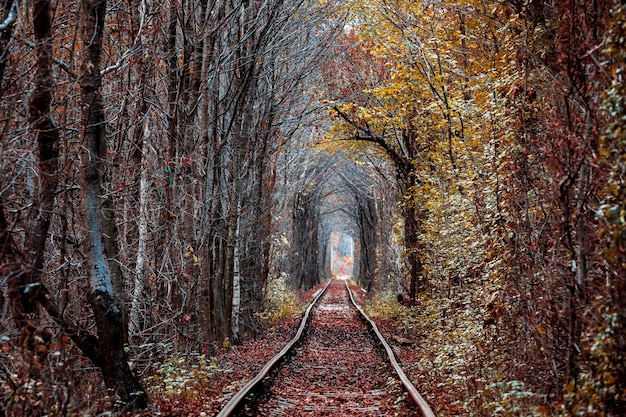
(140, 267)
(106, 294)
(236, 303)
(23, 306)
(412, 246)
(412, 226)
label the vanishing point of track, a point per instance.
(338, 363)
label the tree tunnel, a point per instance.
(343, 214)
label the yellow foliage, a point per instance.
(448, 68)
(280, 301)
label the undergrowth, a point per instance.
(461, 367)
(52, 381)
(385, 305)
(281, 302)
(183, 376)
(189, 376)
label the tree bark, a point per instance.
(140, 267)
(236, 302)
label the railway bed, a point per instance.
(337, 364)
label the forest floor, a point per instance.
(457, 365)
(231, 369)
(234, 367)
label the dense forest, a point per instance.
(174, 172)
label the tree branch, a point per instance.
(57, 61)
(133, 47)
(368, 136)
(85, 341)
(11, 17)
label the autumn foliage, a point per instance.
(508, 116)
(173, 173)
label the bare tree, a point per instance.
(47, 137)
(106, 293)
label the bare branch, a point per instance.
(57, 61)
(11, 17)
(133, 47)
(366, 135)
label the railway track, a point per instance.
(338, 363)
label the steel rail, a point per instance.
(418, 400)
(238, 398)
